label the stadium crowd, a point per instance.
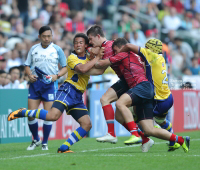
(20, 21)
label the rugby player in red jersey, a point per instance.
(97, 39)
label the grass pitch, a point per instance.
(90, 154)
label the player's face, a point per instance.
(79, 45)
(46, 37)
(117, 49)
(94, 40)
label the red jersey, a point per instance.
(108, 52)
(131, 67)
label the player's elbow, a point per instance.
(81, 70)
(99, 65)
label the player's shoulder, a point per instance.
(72, 56)
(34, 46)
(58, 48)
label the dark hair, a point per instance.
(44, 28)
(82, 36)
(194, 58)
(119, 42)
(2, 72)
(95, 30)
(178, 39)
(12, 68)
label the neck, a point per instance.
(81, 54)
(103, 39)
(44, 46)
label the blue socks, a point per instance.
(47, 125)
(37, 113)
(168, 127)
(75, 136)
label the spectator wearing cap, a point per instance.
(2, 63)
(14, 81)
(195, 69)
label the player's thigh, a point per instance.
(109, 96)
(125, 99)
(53, 114)
(48, 105)
(32, 105)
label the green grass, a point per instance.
(90, 154)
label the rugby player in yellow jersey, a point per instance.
(163, 100)
(69, 95)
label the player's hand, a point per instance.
(32, 78)
(94, 52)
(101, 53)
(54, 77)
(125, 48)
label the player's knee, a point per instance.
(104, 100)
(119, 105)
(86, 125)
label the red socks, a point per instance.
(144, 138)
(178, 139)
(109, 116)
(132, 128)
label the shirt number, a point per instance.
(165, 80)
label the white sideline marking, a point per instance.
(130, 146)
(25, 156)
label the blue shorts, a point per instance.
(161, 107)
(45, 92)
(71, 98)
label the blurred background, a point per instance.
(175, 22)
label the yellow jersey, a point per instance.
(156, 73)
(79, 81)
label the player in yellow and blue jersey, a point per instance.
(163, 100)
(69, 95)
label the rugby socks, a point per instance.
(124, 124)
(109, 116)
(144, 138)
(37, 113)
(33, 126)
(132, 128)
(168, 127)
(75, 136)
(178, 139)
(47, 125)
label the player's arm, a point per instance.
(102, 64)
(130, 47)
(142, 52)
(84, 68)
(27, 65)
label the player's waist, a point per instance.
(79, 86)
(161, 95)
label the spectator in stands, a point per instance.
(185, 50)
(14, 60)
(186, 71)
(46, 13)
(187, 22)
(195, 69)
(135, 40)
(2, 78)
(177, 4)
(15, 75)
(2, 63)
(172, 21)
(23, 8)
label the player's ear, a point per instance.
(98, 36)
